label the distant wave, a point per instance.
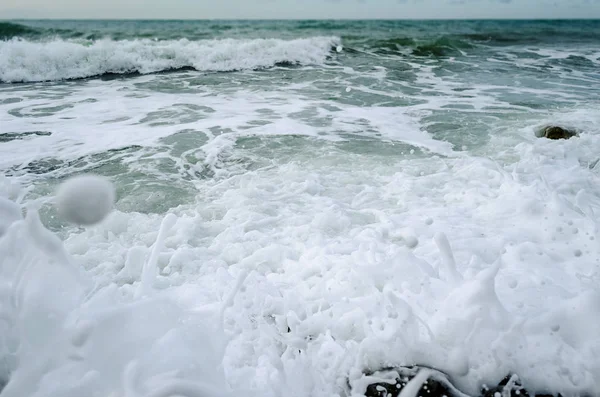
(455, 44)
(443, 46)
(9, 30)
(58, 59)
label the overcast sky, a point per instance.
(273, 9)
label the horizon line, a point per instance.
(298, 19)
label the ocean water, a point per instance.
(299, 203)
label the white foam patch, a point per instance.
(26, 61)
(9, 213)
(503, 277)
(115, 118)
(61, 337)
(478, 266)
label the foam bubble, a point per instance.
(85, 199)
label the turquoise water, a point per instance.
(459, 82)
(448, 87)
(500, 32)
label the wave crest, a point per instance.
(26, 61)
(8, 30)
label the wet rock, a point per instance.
(511, 386)
(556, 132)
(436, 384)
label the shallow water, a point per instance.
(320, 167)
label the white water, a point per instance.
(100, 116)
(26, 61)
(478, 263)
(467, 265)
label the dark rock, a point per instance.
(556, 132)
(436, 385)
(511, 386)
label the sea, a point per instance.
(300, 205)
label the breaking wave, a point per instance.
(27, 61)
(9, 30)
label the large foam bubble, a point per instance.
(86, 199)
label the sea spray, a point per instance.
(471, 303)
(447, 258)
(412, 388)
(10, 212)
(62, 342)
(149, 270)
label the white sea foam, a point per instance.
(22, 60)
(115, 118)
(503, 278)
(61, 338)
(319, 263)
